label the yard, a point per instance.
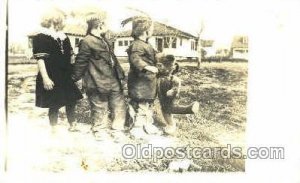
(221, 89)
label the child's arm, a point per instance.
(40, 53)
(48, 83)
(136, 59)
(151, 69)
(176, 85)
(81, 61)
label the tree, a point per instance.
(199, 46)
(16, 48)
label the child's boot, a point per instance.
(74, 127)
(195, 107)
(170, 129)
(137, 132)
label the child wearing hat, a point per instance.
(102, 77)
(142, 77)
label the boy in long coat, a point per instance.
(102, 75)
(142, 77)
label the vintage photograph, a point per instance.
(126, 86)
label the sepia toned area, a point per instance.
(213, 74)
(219, 87)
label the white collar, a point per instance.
(55, 35)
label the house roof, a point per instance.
(161, 29)
(239, 42)
(75, 30)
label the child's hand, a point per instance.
(170, 93)
(123, 83)
(79, 84)
(72, 59)
(151, 69)
(48, 84)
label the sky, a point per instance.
(221, 19)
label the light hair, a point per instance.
(53, 17)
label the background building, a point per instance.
(239, 47)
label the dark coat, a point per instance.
(57, 57)
(167, 83)
(142, 84)
(98, 66)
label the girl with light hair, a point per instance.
(53, 52)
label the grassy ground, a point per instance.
(221, 89)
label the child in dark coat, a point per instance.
(142, 77)
(102, 75)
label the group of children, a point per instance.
(150, 77)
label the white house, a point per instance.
(239, 47)
(166, 39)
(75, 34)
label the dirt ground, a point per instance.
(221, 89)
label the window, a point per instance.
(120, 43)
(77, 42)
(131, 42)
(194, 45)
(174, 42)
(126, 43)
(180, 41)
(239, 51)
(166, 42)
(30, 43)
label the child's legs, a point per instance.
(169, 105)
(144, 113)
(169, 119)
(170, 123)
(99, 109)
(53, 115)
(118, 110)
(180, 109)
(70, 111)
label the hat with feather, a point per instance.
(95, 17)
(139, 24)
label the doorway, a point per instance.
(159, 44)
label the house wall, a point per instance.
(120, 50)
(183, 50)
(240, 53)
(74, 43)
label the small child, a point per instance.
(142, 77)
(168, 90)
